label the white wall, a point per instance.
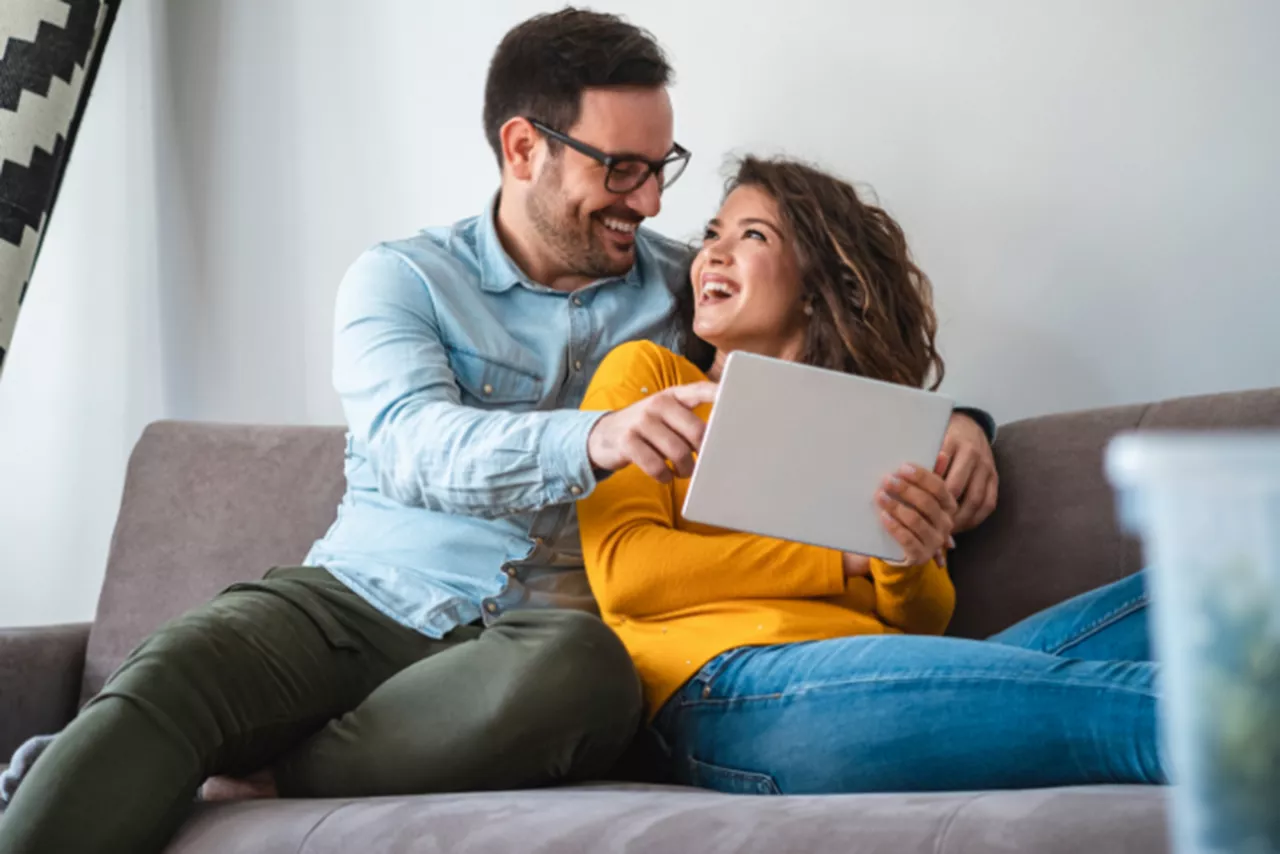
(83, 374)
(1091, 187)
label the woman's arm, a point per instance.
(639, 563)
(918, 600)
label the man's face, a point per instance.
(590, 229)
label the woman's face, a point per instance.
(746, 280)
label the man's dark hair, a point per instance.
(542, 66)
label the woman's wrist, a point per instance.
(856, 565)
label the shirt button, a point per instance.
(491, 607)
(539, 542)
(644, 389)
(488, 389)
(577, 365)
(577, 301)
(509, 570)
(575, 490)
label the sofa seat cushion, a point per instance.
(1099, 820)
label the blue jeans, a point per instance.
(1068, 696)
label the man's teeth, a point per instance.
(719, 289)
(620, 225)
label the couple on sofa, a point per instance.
(525, 392)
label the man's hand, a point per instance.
(971, 476)
(652, 431)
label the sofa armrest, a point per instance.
(40, 672)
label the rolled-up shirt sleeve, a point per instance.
(399, 393)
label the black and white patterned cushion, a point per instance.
(49, 54)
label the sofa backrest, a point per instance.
(207, 505)
(1054, 533)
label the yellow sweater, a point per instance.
(679, 593)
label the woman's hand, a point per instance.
(919, 511)
(856, 565)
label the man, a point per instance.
(440, 637)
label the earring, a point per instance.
(808, 309)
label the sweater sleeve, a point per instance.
(917, 600)
(638, 562)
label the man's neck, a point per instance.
(518, 237)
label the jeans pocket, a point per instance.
(731, 780)
(701, 686)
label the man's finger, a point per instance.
(687, 425)
(695, 394)
(974, 494)
(667, 442)
(993, 497)
(960, 472)
(648, 460)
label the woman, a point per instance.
(773, 667)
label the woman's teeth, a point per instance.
(619, 225)
(716, 289)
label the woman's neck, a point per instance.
(791, 351)
(717, 366)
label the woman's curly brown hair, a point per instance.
(872, 306)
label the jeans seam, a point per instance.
(1115, 615)
(809, 689)
(706, 679)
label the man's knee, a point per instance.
(593, 663)
(582, 675)
(189, 672)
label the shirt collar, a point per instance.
(498, 273)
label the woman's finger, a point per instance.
(911, 546)
(911, 519)
(917, 498)
(931, 483)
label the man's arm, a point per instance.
(971, 477)
(982, 418)
(398, 391)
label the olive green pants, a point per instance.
(298, 674)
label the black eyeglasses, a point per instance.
(625, 172)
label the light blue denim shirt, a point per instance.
(460, 379)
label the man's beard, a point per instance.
(575, 242)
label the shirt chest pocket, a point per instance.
(490, 383)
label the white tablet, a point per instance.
(799, 453)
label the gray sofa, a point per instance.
(208, 505)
